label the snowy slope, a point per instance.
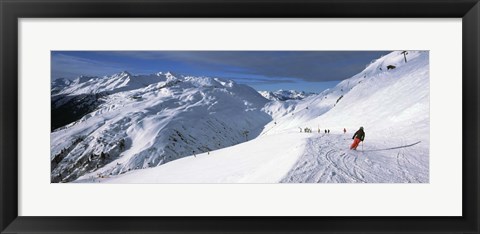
(392, 105)
(308, 158)
(379, 99)
(243, 163)
(146, 121)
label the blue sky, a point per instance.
(312, 71)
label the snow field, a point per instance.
(242, 163)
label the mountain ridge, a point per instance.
(145, 124)
(284, 95)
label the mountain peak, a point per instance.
(125, 73)
(84, 78)
(283, 95)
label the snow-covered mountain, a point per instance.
(283, 95)
(125, 122)
(391, 104)
(59, 84)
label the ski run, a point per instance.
(168, 128)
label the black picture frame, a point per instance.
(11, 11)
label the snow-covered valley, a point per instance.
(166, 128)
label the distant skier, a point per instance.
(328, 131)
(358, 136)
(344, 130)
(325, 130)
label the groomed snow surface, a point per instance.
(391, 104)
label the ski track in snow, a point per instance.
(328, 159)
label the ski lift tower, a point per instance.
(245, 133)
(405, 55)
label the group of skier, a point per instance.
(358, 137)
(309, 130)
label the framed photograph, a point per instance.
(239, 116)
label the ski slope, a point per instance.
(243, 163)
(392, 106)
(309, 158)
(327, 159)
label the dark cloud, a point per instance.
(310, 66)
(313, 66)
(67, 66)
(261, 81)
